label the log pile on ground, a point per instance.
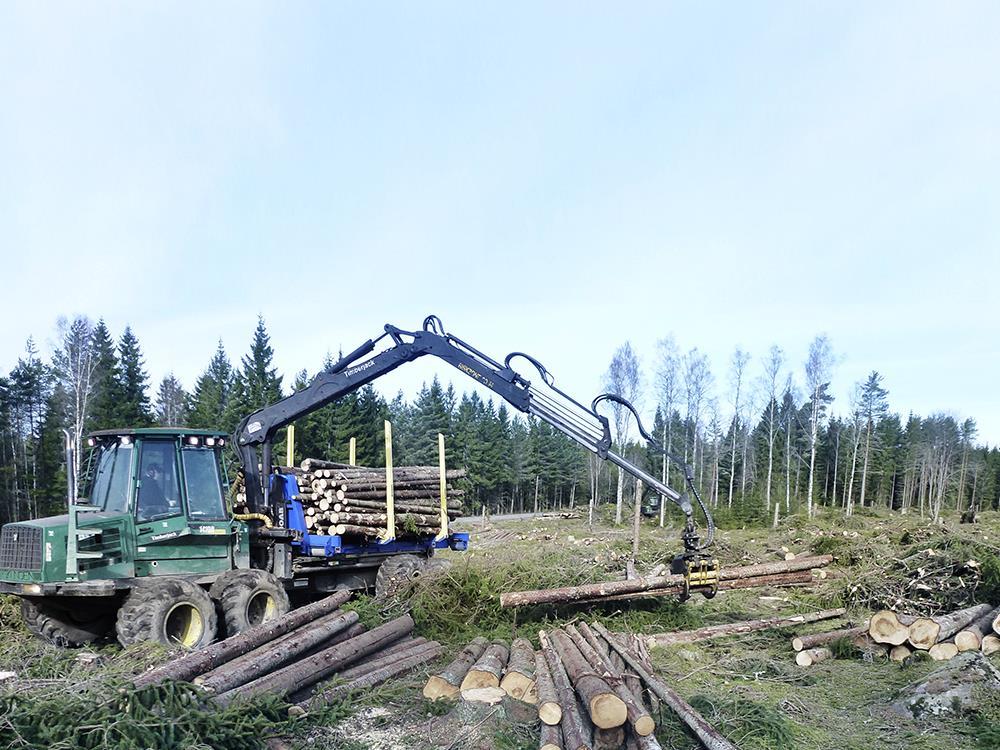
(943, 636)
(290, 655)
(784, 573)
(353, 500)
(588, 687)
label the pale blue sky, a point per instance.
(554, 178)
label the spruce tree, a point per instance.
(212, 392)
(131, 384)
(430, 416)
(261, 381)
(106, 395)
(172, 403)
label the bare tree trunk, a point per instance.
(636, 518)
(864, 466)
(618, 498)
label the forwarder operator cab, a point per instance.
(158, 473)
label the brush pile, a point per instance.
(287, 657)
(590, 688)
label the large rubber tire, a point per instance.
(67, 624)
(395, 574)
(246, 598)
(171, 611)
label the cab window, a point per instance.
(159, 489)
(204, 488)
(111, 484)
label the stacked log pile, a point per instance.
(352, 500)
(290, 655)
(590, 688)
(943, 637)
(785, 573)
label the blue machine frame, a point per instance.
(314, 545)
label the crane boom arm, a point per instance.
(585, 426)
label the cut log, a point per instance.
(379, 659)
(812, 640)
(637, 715)
(926, 631)
(387, 668)
(704, 731)
(488, 668)
(991, 644)
(190, 665)
(943, 651)
(448, 682)
(610, 588)
(900, 652)
(738, 628)
(813, 656)
(576, 735)
(269, 656)
(885, 627)
(487, 694)
(605, 708)
(971, 638)
(795, 578)
(609, 739)
(549, 710)
(312, 669)
(519, 679)
(551, 738)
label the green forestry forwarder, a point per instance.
(155, 553)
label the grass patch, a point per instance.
(747, 723)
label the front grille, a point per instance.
(20, 547)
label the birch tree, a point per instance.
(697, 382)
(622, 379)
(772, 372)
(818, 366)
(668, 389)
(75, 365)
(737, 368)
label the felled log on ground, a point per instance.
(971, 637)
(269, 656)
(943, 651)
(795, 578)
(197, 662)
(605, 708)
(551, 738)
(890, 628)
(549, 710)
(812, 640)
(900, 652)
(312, 669)
(811, 656)
(738, 628)
(639, 719)
(488, 668)
(611, 588)
(519, 679)
(991, 644)
(924, 632)
(380, 671)
(576, 736)
(447, 683)
(704, 731)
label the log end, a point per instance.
(900, 652)
(477, 679)
(943, 651)
(884, 627)
(990, 644)
(968, 641)
(607, 711)
(488, 695)
(519, 686)
(797, 644)
(644, 725)
(437, 688)
(550, 713)
(923, 633)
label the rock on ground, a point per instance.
(949, 689)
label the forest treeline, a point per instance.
(763, 440)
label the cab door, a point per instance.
(160, 520)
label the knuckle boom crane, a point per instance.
(584, 425)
